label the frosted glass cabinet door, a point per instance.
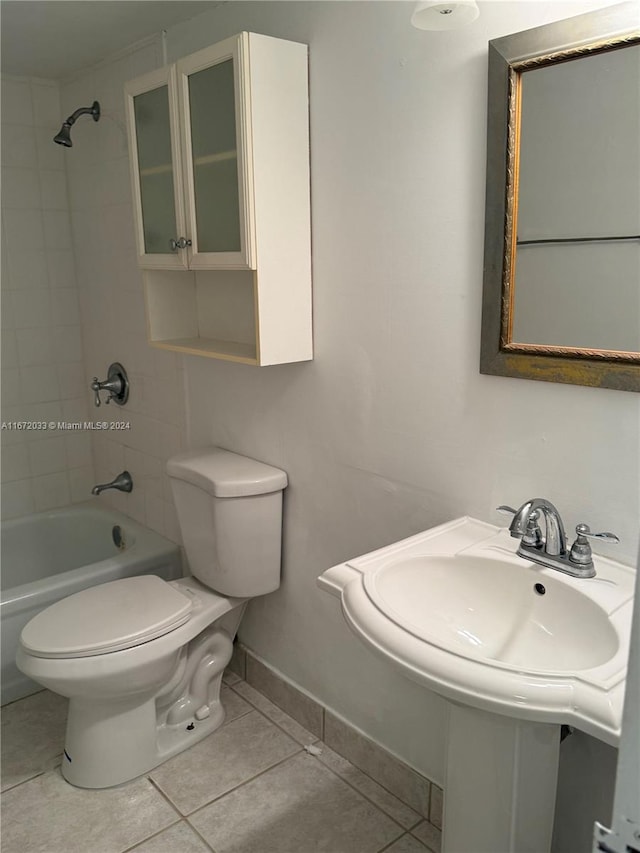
(156, 179)
(215, 122)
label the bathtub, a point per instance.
(50, 555)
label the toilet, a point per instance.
(141, 659)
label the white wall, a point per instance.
(392, 429)
(42, 352)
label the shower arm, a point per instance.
(93, 110)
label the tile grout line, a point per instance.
(391, 843)
(272, 721)
(243, 783)
(149, 837)
(368, 799)
(324, 710)
(421, 817)
(30, 779)
(162, 793)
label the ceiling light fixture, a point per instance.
(439, 15)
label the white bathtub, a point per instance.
(48, 556)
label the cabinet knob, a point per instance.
(180, 243)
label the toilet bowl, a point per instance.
(141, 659)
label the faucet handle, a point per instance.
(506, 510)
(96, 387)
(581, 549)
(585, 530)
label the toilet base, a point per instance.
(101, 752)
(111, 741)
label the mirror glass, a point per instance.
(562, 236)
(576, 277)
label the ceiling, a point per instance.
(56, 38)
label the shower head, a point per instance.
(64, 135)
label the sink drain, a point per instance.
(539, 588)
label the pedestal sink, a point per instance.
(517, 648)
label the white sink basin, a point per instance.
(459, 612)
(494, 610)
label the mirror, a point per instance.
(561, 296)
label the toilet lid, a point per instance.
(107, 618)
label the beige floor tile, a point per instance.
(275, 714)
(233, 704)
(297, 807)
(179, 838)
(32, 736)
(232, 755)
(409, 786)
(230, 677)
(407, 844)
(380, 797)
(430, 836)
(47, 815)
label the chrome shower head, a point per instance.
(64, 135)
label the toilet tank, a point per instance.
(230, 514)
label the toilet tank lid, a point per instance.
(226, 475)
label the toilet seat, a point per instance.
(108, 618)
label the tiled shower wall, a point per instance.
(43, 377)
(112, 307)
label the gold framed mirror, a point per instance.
(561, 299)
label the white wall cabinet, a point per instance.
(219, 146)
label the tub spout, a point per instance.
(122, 482)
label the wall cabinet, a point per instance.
(219, 150)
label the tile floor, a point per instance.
(250, 787)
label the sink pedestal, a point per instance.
(500, 783)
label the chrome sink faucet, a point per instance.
(551, 550)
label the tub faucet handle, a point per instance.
(116, 383)
(95, 387)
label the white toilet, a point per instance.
(141, 659)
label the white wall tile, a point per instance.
(6, 314)
(53, 187)
(51, 491)
(66, 342)
(10, 388)
(39, 384)
(65, 307)
(49, 155)
(72, 381)
(81, 481)
(46, 104)
(18, 146)
(28, 270)
(16, 101)
(154, 512)
(47, 456)
(34, 347)
(10, 438)
(17, 499)
(61, 268)
(15, 464)
(78, 449)
(47, 410)
(20, 188)
(24, 229)
(75, 411)
(9, 345)
(31, 308)
(57, 229)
